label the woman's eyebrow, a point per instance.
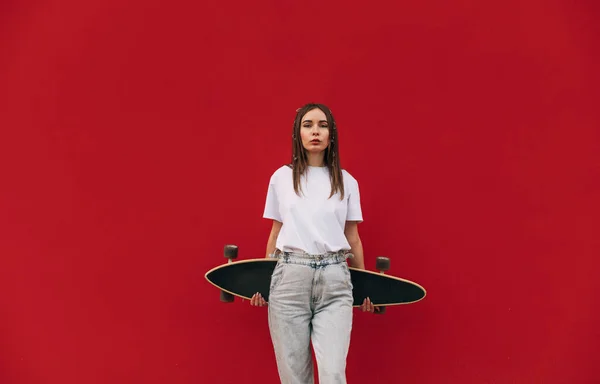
(310, 121)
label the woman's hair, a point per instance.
(332, 157)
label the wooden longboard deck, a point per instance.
(246, 277)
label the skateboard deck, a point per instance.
(245, 278)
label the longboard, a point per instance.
(246, 277)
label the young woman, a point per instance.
(315, 208)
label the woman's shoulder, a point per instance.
(286, 168)
(281, 171)
(348, 176)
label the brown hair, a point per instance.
(332, 158)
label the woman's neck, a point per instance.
(315, 159)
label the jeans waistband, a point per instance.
(315, 261)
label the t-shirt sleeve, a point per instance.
(272, 203)
(354, 207)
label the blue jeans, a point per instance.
(310, 299)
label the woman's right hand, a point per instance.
(257, 300)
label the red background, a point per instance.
(137, 139)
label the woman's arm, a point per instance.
(257, 298)
(351, 232)
(273, 238)
(358, 261)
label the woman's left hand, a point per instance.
(367, 306)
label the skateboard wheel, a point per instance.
(231, 252)
(227, 297)
(382, 263)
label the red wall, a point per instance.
(138, 138)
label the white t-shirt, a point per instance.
(312, 222)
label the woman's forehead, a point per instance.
(314, 114)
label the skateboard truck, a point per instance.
(382, 264)
(230, 252)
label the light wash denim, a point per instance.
(310, 299)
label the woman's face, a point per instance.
(314, 131)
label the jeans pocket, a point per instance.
(348, 275)
(276, 277)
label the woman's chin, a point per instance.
(314, 149)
